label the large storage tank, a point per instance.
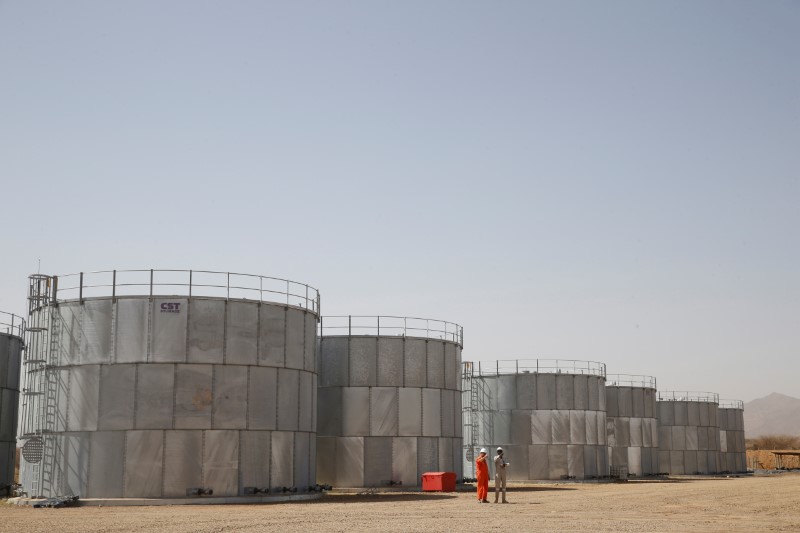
(389, 404)
(12, 331)
(631, 424)
(548, 415)
(152, 384)
(732, 449)
(688, 432)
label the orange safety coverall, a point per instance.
(482, 473)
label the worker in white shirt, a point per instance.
(500, 475)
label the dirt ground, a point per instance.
(768, 503)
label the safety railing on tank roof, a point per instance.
(630, 380)
(189, 283)
(731, 404)
(687, 396)
(12, 324)
(386, 325)
(540, 366)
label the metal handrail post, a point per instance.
(151, 283)
(80, 289)
(287, 292)
(379, 325)
(190, 283)
(349, 326)
(114, 285)
(228, 287)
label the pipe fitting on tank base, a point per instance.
(199, 491)
(256, 490)
(391, 482)
(318, 488)
(285, 489)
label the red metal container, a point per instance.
(439, 481)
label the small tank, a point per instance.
(688, 432)
(631, 424)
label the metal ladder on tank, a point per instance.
(39, 395)
(473, 413)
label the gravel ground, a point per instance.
(768, 503)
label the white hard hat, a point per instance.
(483, 450)
(499, 449)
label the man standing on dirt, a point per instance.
(500, 475)
(482, 474)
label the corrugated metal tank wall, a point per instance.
(157, 395)
(10, 358)
(389, 409)
(632, 427)
(688, 433)
(733, 454)
(549, 425)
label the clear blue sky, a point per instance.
(616, 181)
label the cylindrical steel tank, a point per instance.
(732, 449)
(158, 383)
(631, 424)
(688, 432)
(389, 404)
(549, 416)
(12, 332)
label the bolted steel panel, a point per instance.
(193, 396)
(449, 416)
(625, 399)
(329, 412)
(241, 333)
(541, 428)
(590, 461)
(206, 325)
(221, 462)
(305, 402)
(647, 461)
(678, 437)
(635, 460)
(312, 459)
(611, 432)
(350, 461)
(501, 427)
(595, 390)
(693, 413)
(334, 362)
(691, 438)
(262, 398)
(106, 464)
(517, 456)
(295, 338)
(664, 462)
(676, 464)
(302, 459)
(446, 460)
(612, 401)
(575, 461)
(427, 456)
(622, 431)
(326, 460)
(577, 427)
(526, 391)
(310, 343)
(383, 412)
(183, 462)
(565, 391)
(521, 428)
(637, 402)
(560, 427)
(665, 438)
(377, 461)
(636, 432)
(539, 463)
(168, 330)
(272, 335)
(154, 396)
(591, 428)
(363, 361)
(355, 411)
(702, 439)
(452, 370)
(390, 362)
(458, 453)
(116, 396)
(581, 385)
(666, 414)
(557, 461)
(647, 432)
(601, 428)
(76, 464)
(681, 413)
(506, 392)
(5, 343)
(254, 459)
(95, 342)
(649, 403)
(601, 394)
(654, 430)
(458, 413)
(404, 460)
(415, 366)
(702, 462)
(230, 397)
(131, 330)
(282, 461)
(288, 398)
(435, 364)
(431, 412)
(70, 335)
(703, 413)
(410, 408)
(84, 395)
(546, 391)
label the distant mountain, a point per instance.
(776, 414)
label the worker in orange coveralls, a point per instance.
(482, 473)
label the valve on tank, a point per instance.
(256, 490)
(285, 489)
(199, 491)
(318, 488)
